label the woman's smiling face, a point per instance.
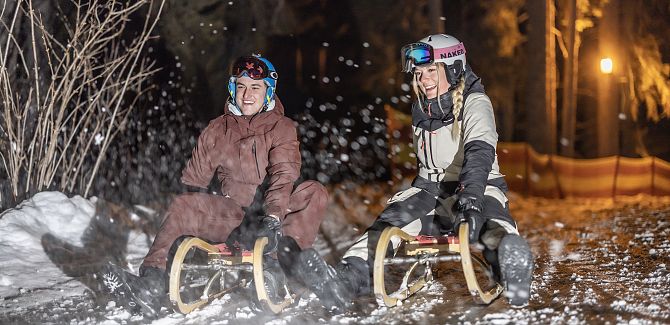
(432, 80)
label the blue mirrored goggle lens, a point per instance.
(416, 54)
(419, 56)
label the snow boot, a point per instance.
(491, 257)
(275, 282)
(144, 294)
(333, 289)
(288, 254)
(516, 269)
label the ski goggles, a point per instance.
(416, 54)
(252, 67)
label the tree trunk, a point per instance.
(609, 90)
(541, 83)
(569, 98)
(506, 114)
(435, 12)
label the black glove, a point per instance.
(270, 228)
(470, 211)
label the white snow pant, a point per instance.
(417, 211)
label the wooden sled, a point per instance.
(421, 252)
(201, 272)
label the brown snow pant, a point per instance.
(214, 217)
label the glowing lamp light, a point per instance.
(606, 65)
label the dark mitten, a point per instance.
(470, 211)
(270, 228)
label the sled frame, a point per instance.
(429, 251)
(222, 262)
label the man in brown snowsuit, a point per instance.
(253, 151)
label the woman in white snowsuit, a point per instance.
(455, 143)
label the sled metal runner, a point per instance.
(425, 251)
(217, 264)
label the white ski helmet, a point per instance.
(436, 48)
(447, 49)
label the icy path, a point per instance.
(596, 261)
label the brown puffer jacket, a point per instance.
(243, 151)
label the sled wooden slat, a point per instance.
(378, 270)
(480, 296)
(259, 281)
(428, 250)
(175, 275)
(221, 260)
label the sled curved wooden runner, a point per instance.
(218, 260)
(480, 296)
(259, 280)
(426, 250)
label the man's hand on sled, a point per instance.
(270, 228)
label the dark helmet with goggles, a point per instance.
(257, 68)
(436, 48)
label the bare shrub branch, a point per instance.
(65, 100)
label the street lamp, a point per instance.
(606, 65)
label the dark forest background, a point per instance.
(339, 77)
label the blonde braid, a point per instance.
(457, 99)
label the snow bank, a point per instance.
(27, 275)
(25, 266)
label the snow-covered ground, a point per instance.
(25, 266)
(597, 261)
(28, 278)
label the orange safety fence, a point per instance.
(544, 175)
(554, 176)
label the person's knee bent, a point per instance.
(318, 192)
